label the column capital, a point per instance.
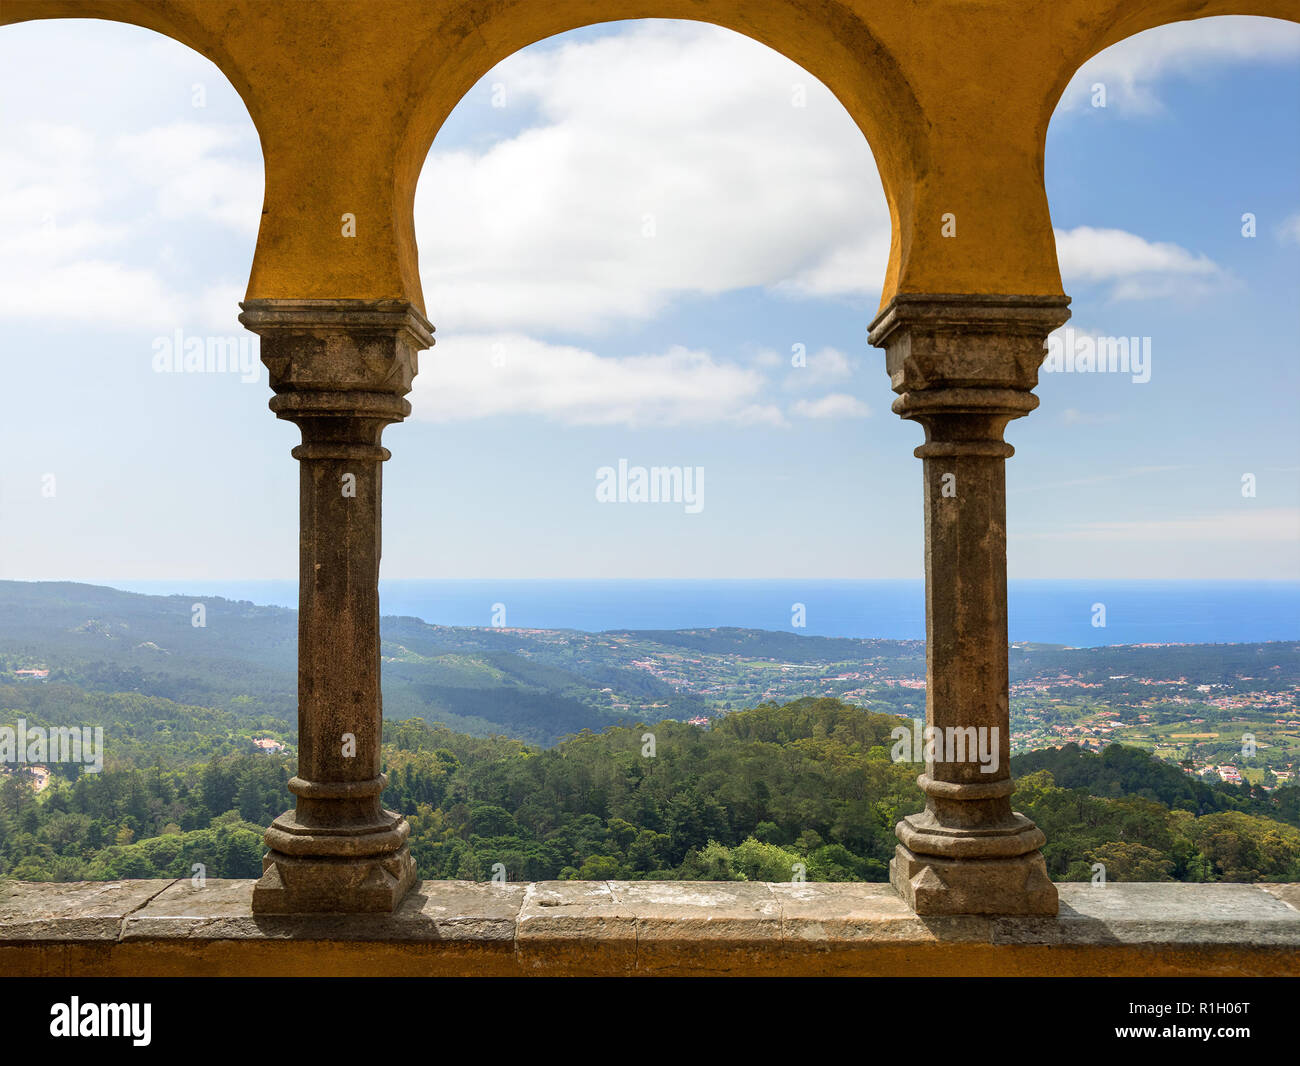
(339, 358)
(965, 354)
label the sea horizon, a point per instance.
(1043, 611)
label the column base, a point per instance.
(931, 884)
(342, 885)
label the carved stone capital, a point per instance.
(966, 355)
(339, 358)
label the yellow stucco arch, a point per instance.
(347, 96)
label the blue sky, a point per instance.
(620, 262)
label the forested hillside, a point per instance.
(761, 794)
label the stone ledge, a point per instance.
(171, 928)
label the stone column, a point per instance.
(340, 370)
(963, 367)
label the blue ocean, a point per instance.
(1048, 612)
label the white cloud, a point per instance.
(824, 367)
(197, 171)
(480, 376)
(833, 405)
(1135, 267)
(1088, 254)
(473, 376)
(852, 266)
(1289, 231)
(91, 219)
(217, 307)
(665, 160)
(1131, 69)
(1072, 416)
(116, 189)
(106, 293)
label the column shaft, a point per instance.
(338, 625)
(966, 617)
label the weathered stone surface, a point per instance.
(720, 910)
(463, 928)
(1289, 894)
(575, 908)
(824, 914)
(433, 910)
(1159, 913)
(82, 910)
(576, 927)
(710, 927)
(470, 910)
(220, 909)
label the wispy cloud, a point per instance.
(483, 376)
(92, 219)
(833, 405)
(825, 367)
(1072, 416)
(1133, 266)
(1133, 69)
(1097, 479)
(1289, 231)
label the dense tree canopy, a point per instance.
(773, 793)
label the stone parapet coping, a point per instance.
(463, 928)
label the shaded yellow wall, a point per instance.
(954, 97)
(594, 955)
